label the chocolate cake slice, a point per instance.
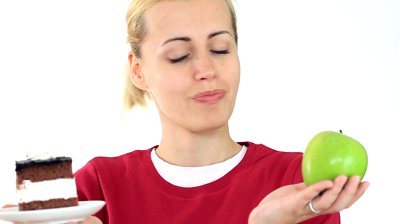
(45, 183)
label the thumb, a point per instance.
(89, 220)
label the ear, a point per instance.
(136, 72)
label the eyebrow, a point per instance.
(218, 33)
(211, 35)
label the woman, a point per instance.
(184, 55)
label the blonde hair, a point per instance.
(134, 96)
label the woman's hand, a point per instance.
(289, 204)
(89, 220)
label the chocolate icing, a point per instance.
(19, 165)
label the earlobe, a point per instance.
(135, 72)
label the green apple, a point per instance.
(330, 154)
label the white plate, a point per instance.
(54, 215)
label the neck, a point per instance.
(184, 148)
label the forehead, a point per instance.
(187, 17)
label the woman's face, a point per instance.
(190, 63)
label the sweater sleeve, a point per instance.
(89, 188)
(333, 218)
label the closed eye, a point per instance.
(220, 51)
(176, 60)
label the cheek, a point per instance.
(170, 89)
(233, 72)
(161, 77)
(168, 86)
(172, 83)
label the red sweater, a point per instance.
(135, 193)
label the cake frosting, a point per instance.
(40, 156)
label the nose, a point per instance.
(204, 67)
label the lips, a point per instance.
(209, 96)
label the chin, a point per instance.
(209, 124)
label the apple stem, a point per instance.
(341, 132)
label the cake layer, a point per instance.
(53, 203)
(29, 191)
(40, 170)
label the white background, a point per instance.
(307, 66)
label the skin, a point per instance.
(194, 133)
(293, 199)
(194, 129)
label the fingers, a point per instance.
(361, 190)
(314, 190)
(88, 220)
(330, 196)
(92, 220)
(351, 192)
(345, 192)
(305, 195)
(323, 194)
(9, 206)
(344, 200)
